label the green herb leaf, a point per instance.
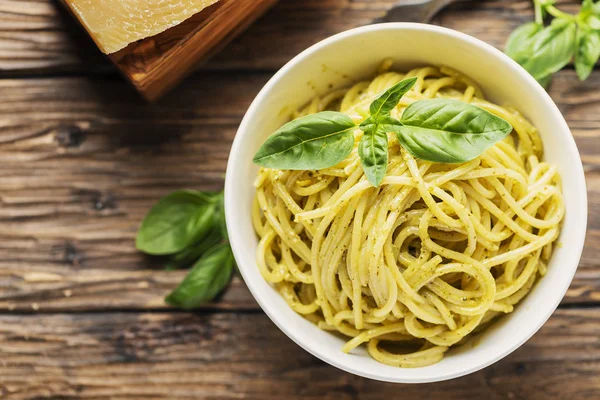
(373, 146)
(519, 40)
(175, 222)
(373, 153)
(385, 103)
(315, 141)
(590, 13)
(545, 81)
(449, 131)
(220, 215)
(549, 49)
(593, 22)
(206, 280)
(588, 7)
(588, 52)
(186, 257)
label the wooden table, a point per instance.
(82, 158)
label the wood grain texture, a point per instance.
(37, 36)
(82, 161)
(229, 356)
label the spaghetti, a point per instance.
(435, 253)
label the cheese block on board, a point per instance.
(113, 24)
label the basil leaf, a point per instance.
(593, 22)
(545, 81)
(520, 39)
(175, 222)
(315, 141)
(449, 131)
(373, 153)
(550, 49)
(373, 146)
(206, 280)
(589, 7)
(587, 53)
(590, 13)
(220, 217)
(385, 103)
(189, 255)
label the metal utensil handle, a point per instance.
(437, 7)
(415, 10)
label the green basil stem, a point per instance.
(556, 13)
(539, 13)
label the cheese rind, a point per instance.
(113, 24)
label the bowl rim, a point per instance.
(230, 199)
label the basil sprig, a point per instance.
(438, 130)
(373, 146)
(543, 50)
(189, 228)
(550, 49)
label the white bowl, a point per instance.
(347, 57)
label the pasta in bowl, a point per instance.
(399, 256)
(432, 254)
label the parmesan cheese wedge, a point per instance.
(113, 24)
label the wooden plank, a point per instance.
(38, 37)
(226, 356)
(81, 162)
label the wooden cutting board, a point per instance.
(157, 64)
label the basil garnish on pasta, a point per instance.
(373, 146)
(449, 131)
(441, 250)
(315, 141)
(438, 130)
(384, 104)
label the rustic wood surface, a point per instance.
(82, 158)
